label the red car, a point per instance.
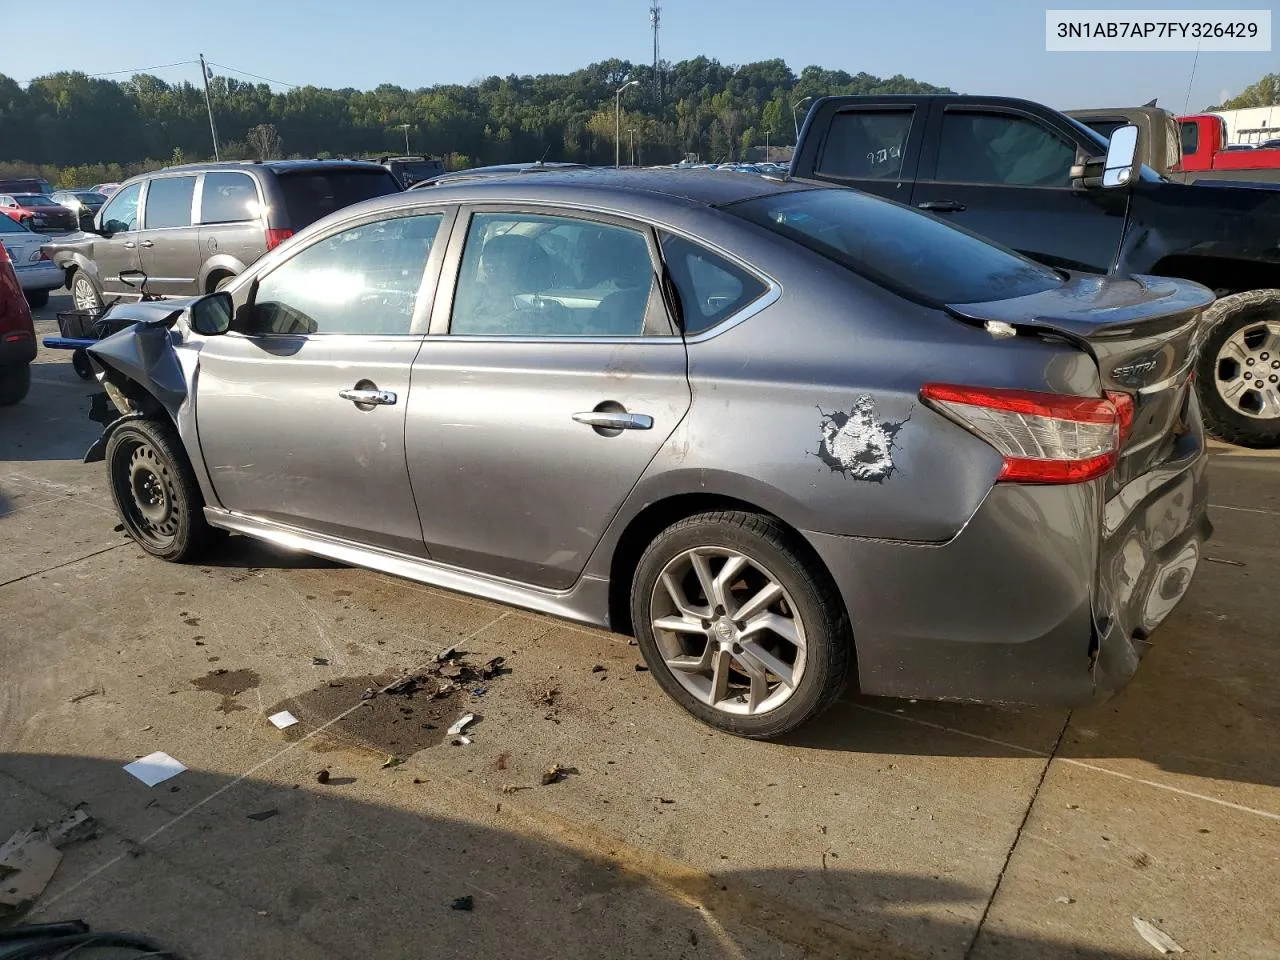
(17, 336)
(35, 211)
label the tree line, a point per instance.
(78, 129)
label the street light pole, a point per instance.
(633, 146)
(405, 127)
(798, 103)
(208, 105)
(617, 123)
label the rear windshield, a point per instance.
(34, 200)
(310, 195)
(910, 253)
(9, 225)
(419, 170)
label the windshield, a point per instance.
(312, 195)
(34, 200)
(420, 170)
(90, 198)
(910, 253)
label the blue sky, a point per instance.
(983, 46)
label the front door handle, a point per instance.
(368, 396)
(129, 244)
(615, 420)
(148, 243)
(942, 206)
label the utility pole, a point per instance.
(655, 21)
(632, 131)
(617, 122)
(208, 105)
(766, 146)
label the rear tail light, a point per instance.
(39, 255)
(277, 237)
(1043, 437)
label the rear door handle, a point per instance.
(612, 420)
(371, 397)
(148, 243)
(129, 244)
(942, 206)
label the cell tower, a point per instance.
(655, 21)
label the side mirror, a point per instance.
(1121, 167)
(210, 316)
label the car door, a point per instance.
(1006, 174)
(168, 244)
(300, 408)
(117, 248)
(544, 392)
(873, 147)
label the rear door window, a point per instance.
(169, 202)
(310, 195)
(866, 145)
(999, 148)
(229, 198)
(711, 288)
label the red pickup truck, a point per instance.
(1205, 155)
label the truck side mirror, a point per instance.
(1121, 167)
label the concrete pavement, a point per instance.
(887, 829)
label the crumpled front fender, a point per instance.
(98, 452)
(144, 354)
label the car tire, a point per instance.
(84, 294)
(221, 282)
(1243, 337)
(15, 384)
(769, 560)
(37, 298)
(155, 491)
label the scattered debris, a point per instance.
(1140, 860)
(598, 668)
(501, 762)
(391, 761)
(461, 724)
(29, 858)
(118, 528)
(418, 780)
(1073, 806)
(322, 776)
(369, 693)
(86, 694)
(546, 697)
(282, 719)
(461, 740)
(263, 815)
(154, 768)
(1229, 563)
(555, 773)
(512, 788)
(1156, 937)
(663, 800)
(1065, 900)
(320, 661)
(466, 903)
(641, 668)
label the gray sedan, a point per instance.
(790, 437)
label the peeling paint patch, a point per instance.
(856, 443)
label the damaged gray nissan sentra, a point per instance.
(790, 436)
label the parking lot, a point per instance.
(886, 829)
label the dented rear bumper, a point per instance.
(1047, 596)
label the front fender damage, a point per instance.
(142, 376)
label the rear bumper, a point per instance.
(17, 348)
(1047, 595)
(45, 275)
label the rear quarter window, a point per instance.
(313, 194)
(910, 253)
(711, 288)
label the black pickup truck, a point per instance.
(1029, 177)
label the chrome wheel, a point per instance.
(145, 489)
(83, 295)
(1247, 372)
(728, 630)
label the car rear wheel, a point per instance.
(84, 294)
(156, 492)
(1239, 372)
(740, 624)
(15, 384)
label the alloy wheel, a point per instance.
(1247, 372)
(83, 294)
(728, 630)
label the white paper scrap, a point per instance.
(154, 768)
(461, 724)
(283, 719)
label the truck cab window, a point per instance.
(1190, 138)
(866, 145)
(1002, 149)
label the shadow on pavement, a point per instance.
(330, 873)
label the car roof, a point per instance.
(630, 190)
(277, 166)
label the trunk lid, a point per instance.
(1143, 332)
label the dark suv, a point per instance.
(192, 228)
